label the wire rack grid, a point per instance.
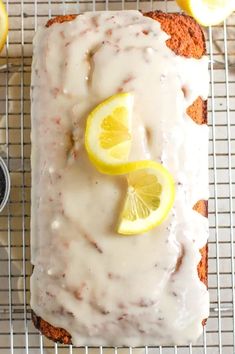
(17, 334)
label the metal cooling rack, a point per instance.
(17, 334)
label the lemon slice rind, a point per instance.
(3, 25)
(156, 217)
(207, 13)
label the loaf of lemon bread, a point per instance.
(128, 318)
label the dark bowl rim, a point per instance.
(6, 173)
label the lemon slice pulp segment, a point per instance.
(3, 25)
(108, 132)
(208, 12)
(150, 196)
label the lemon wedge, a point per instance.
(150, 196)
(151, 190)
(3, 25)
(208, 12)
(108, 132)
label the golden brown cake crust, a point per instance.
(186, 36)
(54, 333)
(187, 39)
(60, 19)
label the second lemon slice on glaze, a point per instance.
(108, 132)
(150, 196)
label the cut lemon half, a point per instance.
(150, 196)
(108, 132)
(208, 12)
(3, 25)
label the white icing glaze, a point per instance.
(103, 288)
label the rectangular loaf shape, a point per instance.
(89, 285)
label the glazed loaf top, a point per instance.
(102, 288)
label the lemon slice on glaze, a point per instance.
(208, 12)
(108, 132)
(3, 25)
(150, 196)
